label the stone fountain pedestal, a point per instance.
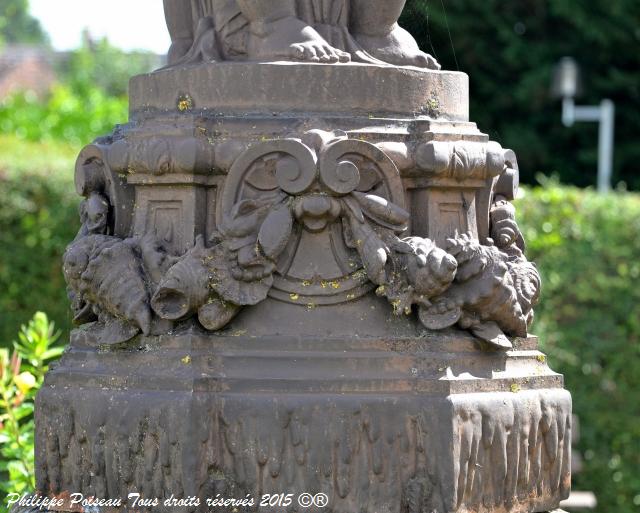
(329, 380)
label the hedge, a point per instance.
(38, 218)
(588, 249)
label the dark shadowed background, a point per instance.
(509, 49)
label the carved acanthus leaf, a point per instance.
(275, 231)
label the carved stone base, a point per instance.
(408, 424)
(344, 234)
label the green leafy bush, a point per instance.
(21, 376)
(65, 115)
(38, 218)
(97, 64)
(586, 246)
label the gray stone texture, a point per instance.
(302, 277)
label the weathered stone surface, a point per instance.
(225, 218)
(275, 88)
(302, 277)
(376, 424)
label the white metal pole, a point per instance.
(568, 111)
(604, 114)
(605, 145)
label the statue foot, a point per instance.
(398, 47)
(291, 39)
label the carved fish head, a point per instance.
(527, 285)
(183, 290)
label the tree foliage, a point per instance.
(509, 50)
(99, 65)
(17, 25)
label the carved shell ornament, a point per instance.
(346, 196)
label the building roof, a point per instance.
(25, 67)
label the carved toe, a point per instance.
(297, 52)
(310, 54)
(432, 63)
(324, 54)
(343, 56)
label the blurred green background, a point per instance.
(586, 245)
(510, 48)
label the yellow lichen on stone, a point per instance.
(185, 103)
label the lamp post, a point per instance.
(567, 85)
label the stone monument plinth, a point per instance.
(302, 277)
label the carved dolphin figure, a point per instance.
(106, 272)
(186, 289)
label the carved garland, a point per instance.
(128, 285)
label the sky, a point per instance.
(128, 24)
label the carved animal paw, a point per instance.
(440, 315)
